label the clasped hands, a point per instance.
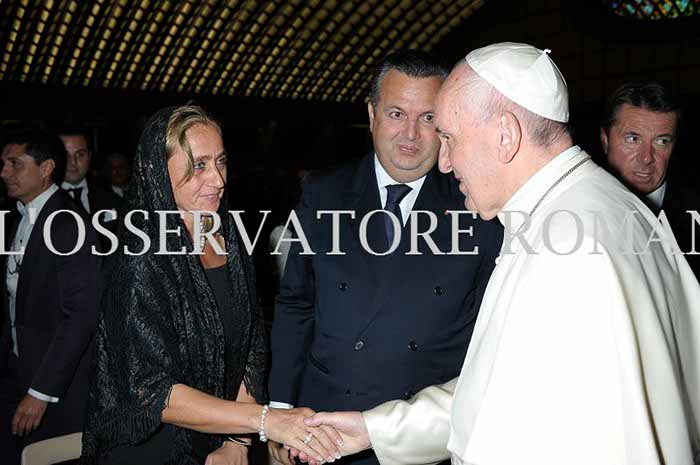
(315, 437)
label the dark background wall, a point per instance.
(596, 51)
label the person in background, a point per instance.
(49, 300)
(639, 132)
(115, 172)
(90, 197)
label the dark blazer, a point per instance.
(678, 199)
(56, 316)
(353, 331)
(102, 199)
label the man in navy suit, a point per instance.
(356, 329)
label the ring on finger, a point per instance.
(308, 438)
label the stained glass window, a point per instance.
(654, 9)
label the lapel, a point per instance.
(13, 219)
(434, 196)
(362, 197)
(32, 254)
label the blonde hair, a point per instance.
(182, 119)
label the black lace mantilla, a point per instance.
(159, 325)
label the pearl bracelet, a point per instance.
(261, 432)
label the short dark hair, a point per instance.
(41, 145)
(645, 93)
(413, 63)
(77, 130)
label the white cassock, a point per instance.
(587, 358)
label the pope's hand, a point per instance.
(350, 425)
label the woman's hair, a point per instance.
(182, 119)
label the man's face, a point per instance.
(402, 125)
(78, 158)
(465, 149)
(24, 178)
(639, 145)
(119, 170)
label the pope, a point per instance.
(582, 353)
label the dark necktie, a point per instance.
(394, 194)
(76, 193)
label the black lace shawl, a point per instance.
(159, 324)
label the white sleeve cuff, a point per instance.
(280, 405)
(41, 396)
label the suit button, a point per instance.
(413, 346)
(410, 394)
(347, 393)
(359, 345)
(439, 290)
(343, 287)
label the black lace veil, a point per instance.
(158, 320)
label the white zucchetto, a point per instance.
(525, 75)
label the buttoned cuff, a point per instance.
(41, 396)
(280, 405)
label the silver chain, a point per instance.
(556, 183)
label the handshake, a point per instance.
(315, 438)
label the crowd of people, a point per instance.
(423, 333)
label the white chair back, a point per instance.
(53, 450)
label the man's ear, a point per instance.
(370, 112)
(604, 140)
(509, 136)
(46, 168)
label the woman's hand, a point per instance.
(228, 454)
(287, 426)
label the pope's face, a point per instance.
(402, 125)
(639, 145)
(466, 150)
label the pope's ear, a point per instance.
(509, 136)
(604, 140)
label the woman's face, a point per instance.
(204, 190)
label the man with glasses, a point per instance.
(48, 300)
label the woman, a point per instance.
(180, 351)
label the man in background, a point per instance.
(90, 197)
(639, 131)
(49, 301)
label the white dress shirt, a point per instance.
(30, 213)
(657, 197)
(383, 180)
(83, 194)
(118, 190)
(406, 205)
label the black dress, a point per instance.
(157, 449)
